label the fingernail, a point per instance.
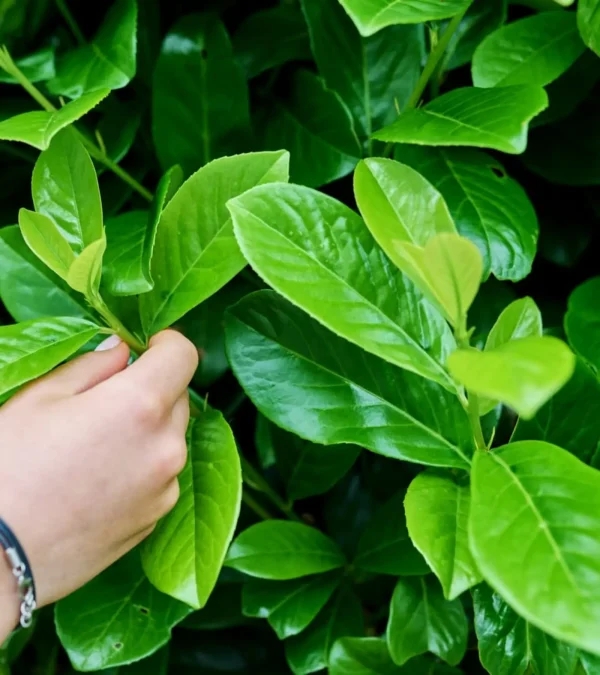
(109, 343)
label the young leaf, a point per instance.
(363, 656)
(582, 321)
(373, 15)
(523, 373)
(29, 350)
(385, 547)
(278, 549)
(316, 127)
(588, 21)
(65, 188)
(348, 395)
(289, 606)
(534, 50)
(398, 204)
(520, 319)
(509, 645)
(200, 108)
(482, 118)
(108, 62)
(38, 128)
(195, 252)
(86, 271)
(488, 207)
(437, 514)
(47, 242)
(116, 618)
(544, 562)
(318, 253)
(422, 620)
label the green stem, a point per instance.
(254, 478)
(252, 504)
(115, 323)
(70, 19)
(475, 420)
(7, 64)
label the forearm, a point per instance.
(9, 600)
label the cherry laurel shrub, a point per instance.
(392, 458)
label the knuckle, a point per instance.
(148, 407)
(171, 497)
(171, 460)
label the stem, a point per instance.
(252, 504)
(70, 19)
(7, 64)
(115, 323)
(475, 420)
(254, 477)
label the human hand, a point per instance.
(89, 458)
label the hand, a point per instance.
(89, 458)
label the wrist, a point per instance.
(9, 599)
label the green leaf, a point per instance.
(223, 610)
(535, 50)
(200, 108)
(582, 321)
(316, 127)
(347, 395)
(185, 553)
(422, 620)
(289, 606)
(509, 645)
(437, 514)
(523, 373)
(39, 127)
(520, 319)
(37, 67)
(373, 15)
(362, 656)
(32, 348)
(279, 549)
(588, 21)
(341, 617)
(590, 663)
(369, 74)
(118, 127)
(117, 618)
(398, 204)
(318, 253)
(385, 546)
(482, 118)
(65, 188)
(195, 252)
(534, 531)
(488, 207)
(47, 242)
(85, 273)
(108, 62)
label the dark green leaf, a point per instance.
(37, 67)
(363, 656)
(223, 610)
(588, 20)
(590, 663)
(118, 127)
(582, 321)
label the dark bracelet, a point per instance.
(22, 570)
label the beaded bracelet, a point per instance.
(22, 572)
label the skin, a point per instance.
(89, 459)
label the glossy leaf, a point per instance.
(347, 395)
(108, 62)
(278, 549)
(534, 50)
(37, 67)
(588, 21)
(32, 348)
(47, 242)
(318, 253)
(39, 127)
(544, 562)
(362, 656)
(117, 618)
(509, 645)
(199, 97)
(317, 129)
(195, 252)
(289, 606)
(523, 373)
(185, 553)
(488, 207)
(86, 271)
(482, 118)
(582, 321)
(422, 620)
(520, 319)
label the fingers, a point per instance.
(181, 413)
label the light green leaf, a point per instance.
(185, 553)
(117, 618)
(318, 253)
(373, 15)
(86, 271)
(385, 546)
(29, 350)
(509, 645)
(200, 108)
(582, 321)
(488, 207)
(316, 127)
(523, 373)
(65, 188)
(37, 67)
(588, 21)
(437, 514)
(278, 549)
(195, 252)
(520, 319)
(422, 620)
(47, 242)
(482, 118)
(398, 204)
(347, 395)
(363, 656)
(109, 61)
(39, 127)
(534, 50)
(534, 531)
(289, 606)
